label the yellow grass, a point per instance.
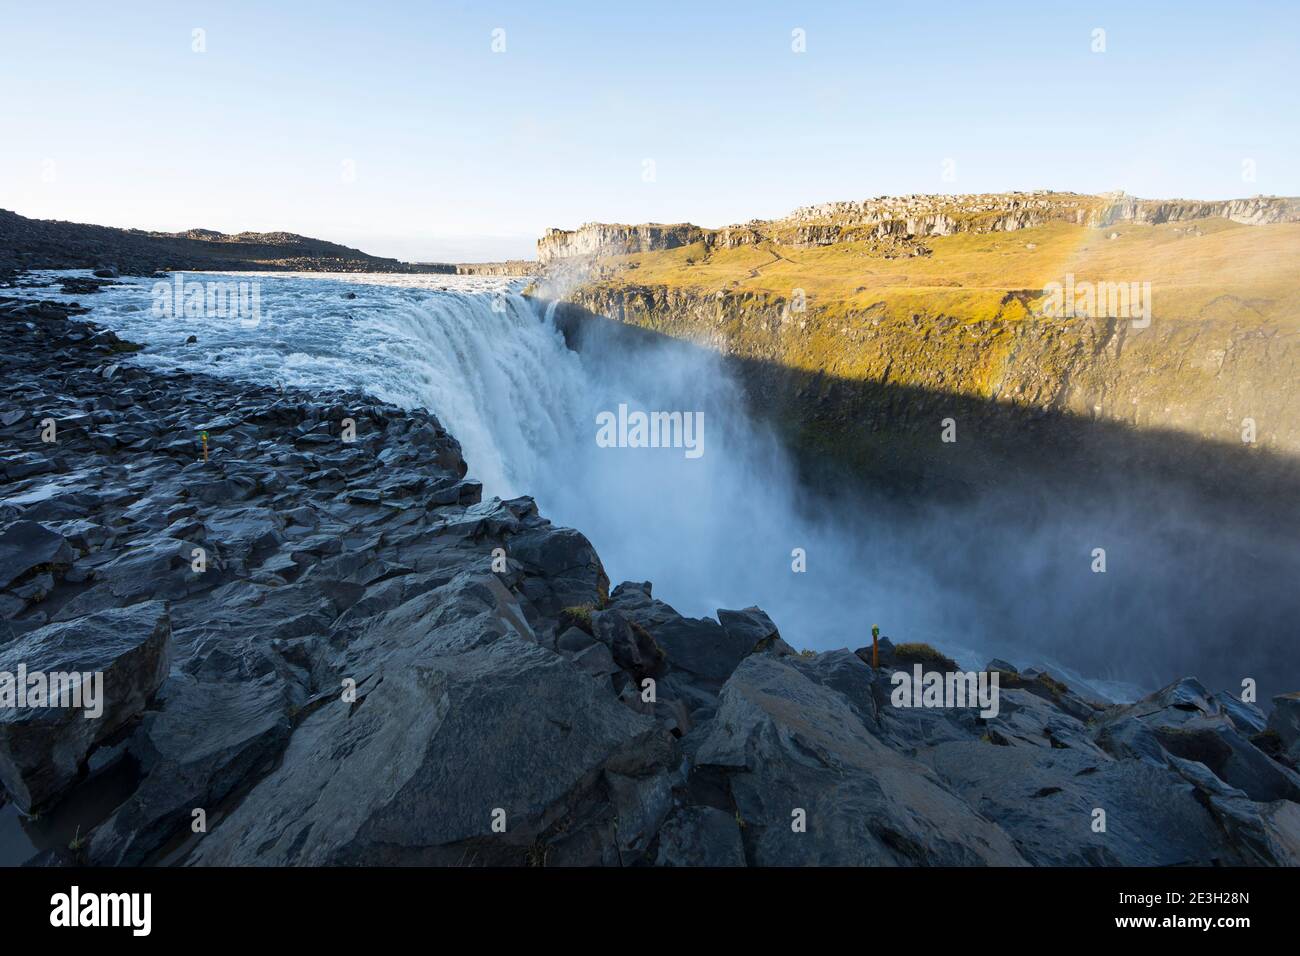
(1208, 269)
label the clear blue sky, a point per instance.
(459, 152)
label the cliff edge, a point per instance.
(321, 646)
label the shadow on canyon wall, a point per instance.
(1200, 538)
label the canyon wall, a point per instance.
(923, 309)
(343, 655)
(872, 392)
(510, 267)
(916, 216)
(1201, 377)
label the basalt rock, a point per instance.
(316, 648)
(907, 216)
(107, 664)
(26, 546)
(813, 786)
(1285, 723)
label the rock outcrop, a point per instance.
(1211, 378)
(320, 645)
(510, 267)
(112, 661)
(857, 326)
(909, 217)
(606, 239)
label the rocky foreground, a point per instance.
(321, 646)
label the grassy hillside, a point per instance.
(898, 333)
(1212, 269)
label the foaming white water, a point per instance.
(465, 347)
(715, 531)
(719, 530)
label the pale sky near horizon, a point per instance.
(395, 127)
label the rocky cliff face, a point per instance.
(1255, 211)
(321, 646)
(511, 267)
(1219, 380)
(603, 239)
(914, 217)
(860, 325)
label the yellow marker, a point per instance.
(204, 436)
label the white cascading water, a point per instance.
(714, 531)
(720, 530)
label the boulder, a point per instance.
(1129, 739)
(1029, 719)
(750, 626)
(640, 805)
(700, 836)
(1285, 722)
(700, 647)
(1047, 800)
(793, 751)
(1215, 742)
(1257, 834)
(845, 672)
(1247, 718)
(632, 647)
(456, 717)
(26, 545)
(205, 742)
(1192, 724)
(42, 749)
(565, 567)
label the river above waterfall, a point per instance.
(731, 526)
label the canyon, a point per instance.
(392, 654)
(910, 218)
(379, 665)
(911, 353)
(945, 303)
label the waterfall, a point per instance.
(717, 530)
(733, 526)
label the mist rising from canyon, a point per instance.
(1005, 572)
(1009, 571)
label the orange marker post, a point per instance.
(204, 436)
(875, 647)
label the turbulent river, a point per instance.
(726, 528)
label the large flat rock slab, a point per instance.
(459, 720)
(42, 748)
(794, 749)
